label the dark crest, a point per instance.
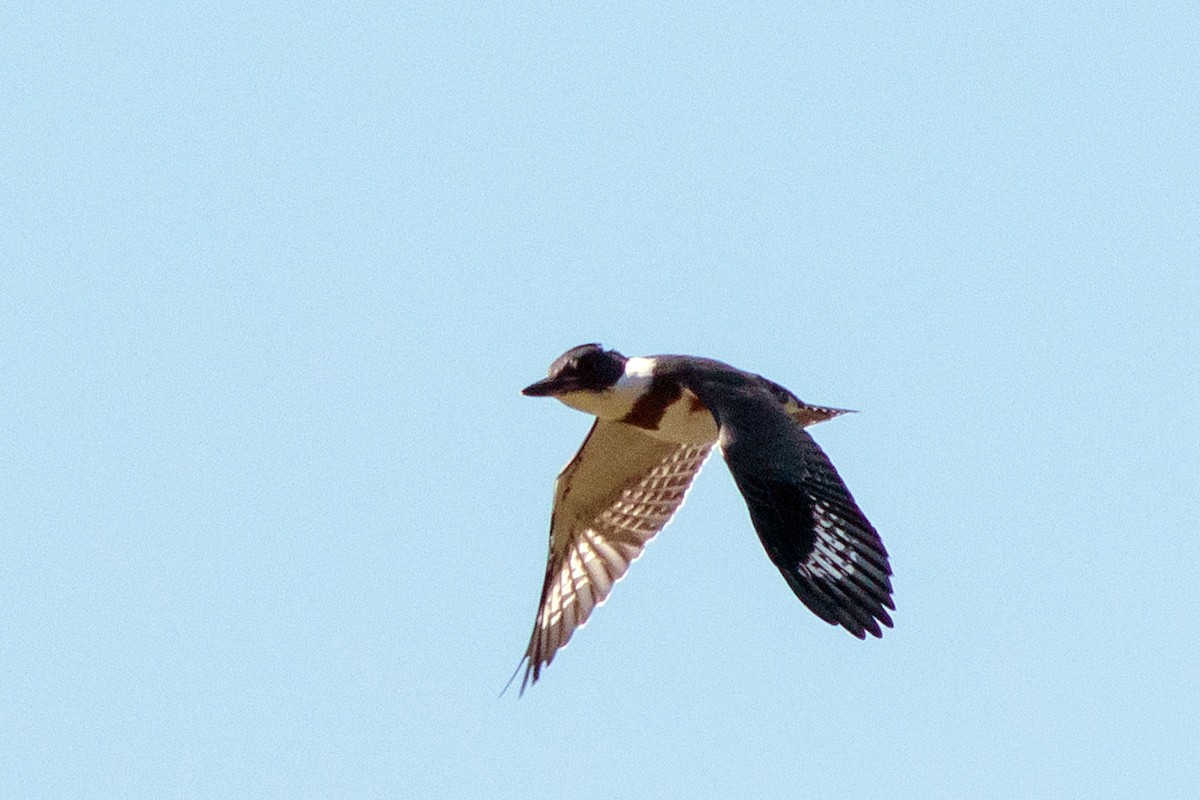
(590, 365)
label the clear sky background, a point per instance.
(274, 513)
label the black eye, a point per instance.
(598, 369)
(586, 364)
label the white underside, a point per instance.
(683, 423)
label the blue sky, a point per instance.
(274, 512)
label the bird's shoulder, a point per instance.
(722, 385)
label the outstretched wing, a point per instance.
(829, 553)
(614, 496)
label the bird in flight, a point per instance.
(657, 419)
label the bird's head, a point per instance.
(586, 369)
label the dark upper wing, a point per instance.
(614, 496)
(805, 516)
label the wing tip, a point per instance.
(524, 662)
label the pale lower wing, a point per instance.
(614, 496)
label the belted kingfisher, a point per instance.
(657, 419)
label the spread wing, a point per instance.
(829, 553)
(614, 496)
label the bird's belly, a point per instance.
(686, 421)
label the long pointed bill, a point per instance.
(549, 388)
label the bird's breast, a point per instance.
(674, 414)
